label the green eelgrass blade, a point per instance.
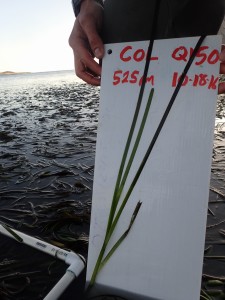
(115, 199)
(101, 262)
(116, 196)
(204, 298)
(124, 158)
(204, 295)
(13, 233)
(136, 144)
(97, 265)
(123, 236)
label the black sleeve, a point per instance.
(76, 5)
(131, 20)
(197, 16)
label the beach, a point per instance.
(48, 130)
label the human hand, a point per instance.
(221, 89)
(86, 42)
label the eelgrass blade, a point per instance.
(115, 196)
(136, 144)
(204, 298)
(115, 199)
(123, 236)
(205, 295)
(12, 232)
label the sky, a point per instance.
(34, 35)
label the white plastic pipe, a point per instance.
(76, 263)
(60, 287)
(72, 272)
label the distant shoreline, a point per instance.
(33, 72)
(12, 73)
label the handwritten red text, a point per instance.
(197, 80)
(132, 77)
(183, 54)
(127, 54)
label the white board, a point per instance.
(162, 256)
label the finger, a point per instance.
(221, 88)
(82, 54)
(222, 53)
(94, 39)
(86, 75)
(222, 68)
(79, 43)
(222, 59)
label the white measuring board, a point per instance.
(162, 256)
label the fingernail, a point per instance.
(98, 53)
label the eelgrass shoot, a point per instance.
(120, 182)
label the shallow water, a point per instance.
(48, 127)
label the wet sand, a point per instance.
(47, 148)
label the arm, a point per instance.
(86, 42)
